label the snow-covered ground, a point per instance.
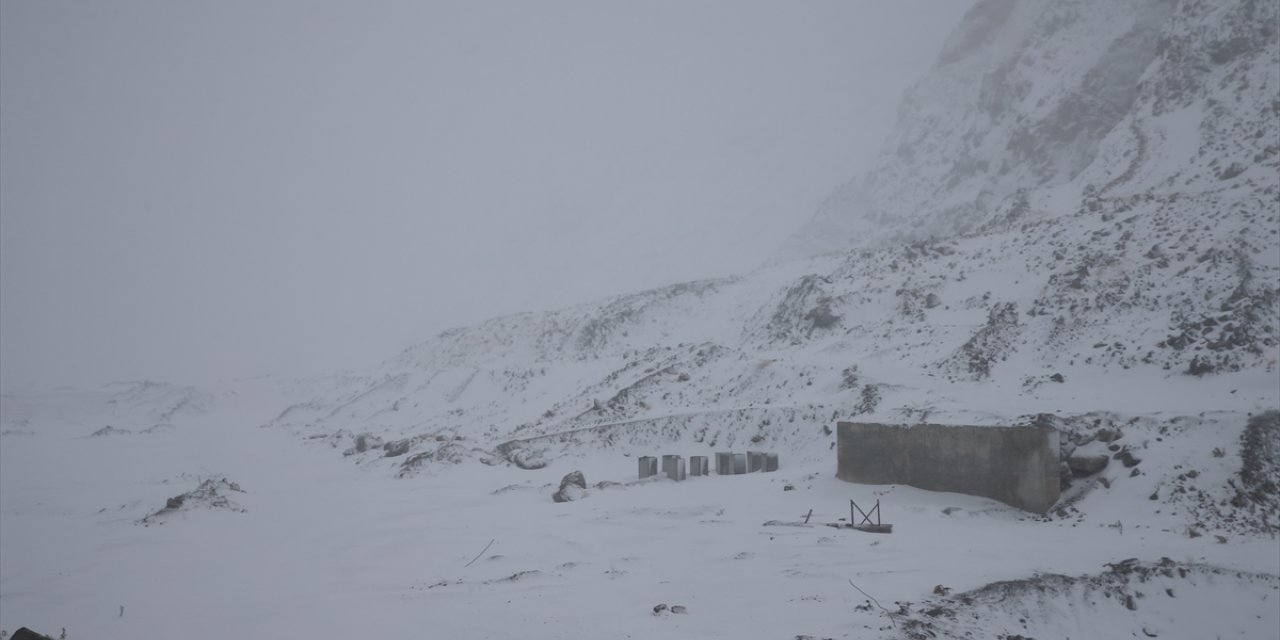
(1087, 242)
(314, 546)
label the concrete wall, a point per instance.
(1015, 465)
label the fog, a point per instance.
(196, 191)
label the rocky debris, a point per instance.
(1126, 457)
(366, 441)
(805, 307)
(447, 452)
(398, 448)
(989, 346)
(869, 401)
(109, 431)
(1009, 609)
(660, 609)
(1086, 465)
(1249, 501)
(572, 487)
(515, 577)
(522, 455)
(1108, 435)
(1259, 486)
(210, 494)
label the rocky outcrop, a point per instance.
(572, 487)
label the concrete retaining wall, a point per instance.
(1015, 465)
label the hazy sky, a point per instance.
(193, 191)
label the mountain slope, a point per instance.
(1075, 224)
(1082, 99)
(1047, 230)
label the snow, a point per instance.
(327, 548)
(1137, 295)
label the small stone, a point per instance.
(659, 609)
(678, 608)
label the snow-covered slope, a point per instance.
(1075, 103)
(1078, 211)
(1076, 222)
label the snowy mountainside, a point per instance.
(1077, 212)
(1075, 100)
(987, 329)
(1075, 225)
(118, 408)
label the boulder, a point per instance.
(24, 633)
(397, 448)
(1127, 458)
(1087, 465)
(572, 487)
(1108, 435)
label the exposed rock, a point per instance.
(109, 431)
(366, 441)
(572, 487)
(573, 478)
(397, 447)
(1108, 435)
(210, 494)
(1126, 456)
(1087, 465)
(989, 346)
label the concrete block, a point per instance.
(739, 463)
(668, 463)
(724, 463)
(698, 466)
(1015, 465)
(770, 462)
(676, 469)
(755, 461)
(648, 466)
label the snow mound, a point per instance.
(1128, 599)
(210, 494)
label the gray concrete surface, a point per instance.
(676, 470)
(648, 466)
(770, 462)
(724, 463)
(698, 466)
(1015, 465)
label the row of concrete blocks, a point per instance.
(727, 464)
